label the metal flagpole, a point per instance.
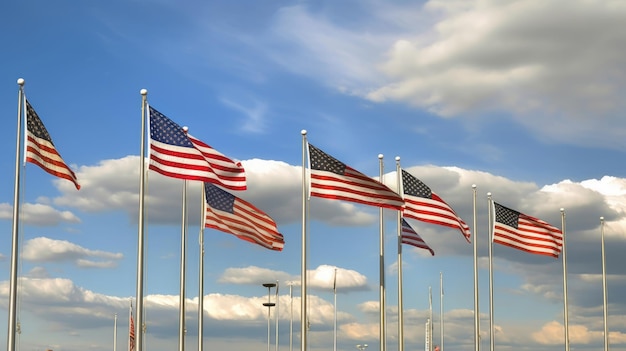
(476, 309)
(115, 333)
(381, 267)
(565, 311)
(11, 330)
(183, 251)
(335, 311)
(441, 310)
(291, 316)
(400, 297)
(303, 263)
(430, 314)
(140, 235)
(277, 314)
(492, 329)
(606, 326)
(201, 273)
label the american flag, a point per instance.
(526, 233)
(230, 214)
(176, 154)
(41, 151)
(131, 335)
(333, 179)
(410, 237)
(424, 205)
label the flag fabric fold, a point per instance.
(131, 332)
(410, 237)
(41, 151)
(230, 214)
(424, 205)
(332, 179)
(523, 232)
(174, 153)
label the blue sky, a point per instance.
(525, 99)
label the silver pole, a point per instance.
(441, 310)
(303, 263)
(335, 311)
(291, 318)
(277, 314)
(476, 307)
(430, 314)
(400, 288)
(140, 236)
(565, 311)
(115, 333)
(183, 252)
(492, 329)
(381, 267)
(201, 274)
(606, 325)
(11, 330)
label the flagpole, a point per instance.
(335, 310)
(441, 310)
(381, 267)
(400, 288)
(606, 326)
(303, 278)
(115, 333)
(201, 273)
(16, 214)
(492, 329)
(277, 314)
(476, 307)
(183, 251)
(565, 311)
(430, 314)
(140, 235)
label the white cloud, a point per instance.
(49, 250)
(39, 214)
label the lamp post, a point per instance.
(269, 305)
(361, 347)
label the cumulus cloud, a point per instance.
(39, 214)
(49, 250)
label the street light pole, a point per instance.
(269, 305)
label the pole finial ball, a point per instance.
(20, 81)
(303, 132)
(143, 92)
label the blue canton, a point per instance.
(219, 199)
(167, 131)
(415, 187)
(506, 216)
(34, 124)
(323, 162)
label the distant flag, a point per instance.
(333, 179)
(424, 205)
(41, 151)
(526, 233)
(131, 335)
(176, 154)
(410, 237)
(230, 214)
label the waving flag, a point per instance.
(424, 205)
(176, 154)
(230, 214)
(41, 151)
(526, 233)
(333, 179)
(131, 333)
(410, 237)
